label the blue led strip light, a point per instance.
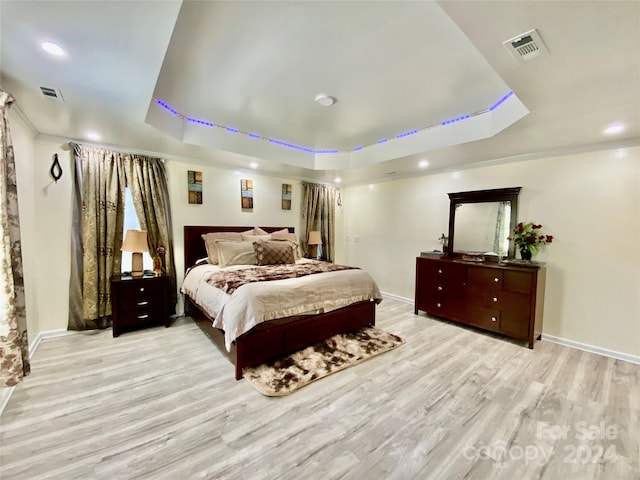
(292, 146)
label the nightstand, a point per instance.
(139, 302)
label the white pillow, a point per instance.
(235, 253)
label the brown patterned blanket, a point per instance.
(231, 280)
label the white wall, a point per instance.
(590, 202)
(221, 203)
(23, 143)
(46, 209)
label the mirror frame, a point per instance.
(480, 196)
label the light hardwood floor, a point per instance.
(451, 403)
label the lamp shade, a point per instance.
(314, 238)
(135, 241)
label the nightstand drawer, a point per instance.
(140, 297)
(141, 318)
(139, 302)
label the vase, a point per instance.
(525, 254)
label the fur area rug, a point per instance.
(286, 375)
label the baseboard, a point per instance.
(551, 338)
(6, 392)
(592, 349)
(398, 297)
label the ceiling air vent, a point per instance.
(526, 46)
(52, 93)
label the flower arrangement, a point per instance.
(527, 237)
(158, 261)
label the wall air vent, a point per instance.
(526, 46)
(52, 93)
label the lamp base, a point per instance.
(136, 264)
(313, 251)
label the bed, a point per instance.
(274, 337)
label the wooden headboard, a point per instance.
(194, 248)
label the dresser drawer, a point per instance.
(438, 271)
(483, 317)
(518, 282)
(442, 307)
(485, 278)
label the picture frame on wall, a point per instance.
(194, 186)
(287, 190)
(246, 194)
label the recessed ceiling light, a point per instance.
(253, 165)
(53, 49)
(93, 136)
(337, 180)
(325, 100)
(614, 129)
(423, 163)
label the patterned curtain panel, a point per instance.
(101, 218)
(100, 183)
(318, 212)
(14, 344)
(147, 180)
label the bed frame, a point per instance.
(274, 338)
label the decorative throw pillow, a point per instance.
(273, 252)
(235, 253)
(255, 238)
(290, 237)
(210, 242)
(260, 231)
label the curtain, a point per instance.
(14, 343)
(502, 228)
(147, 180)
(101, 220)
(101, 179)
(318, 213)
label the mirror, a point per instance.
(481, 221)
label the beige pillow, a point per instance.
(235, 253)
(274, 252)
(260, 231)
(255, 238)
(210, 242)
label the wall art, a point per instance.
(195, 186)
(246, 194)
(286, 196)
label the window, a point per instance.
(131, 222)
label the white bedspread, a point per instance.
(258, 302)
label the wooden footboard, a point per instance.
(280, 337)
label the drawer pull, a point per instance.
(141, 289)
(142, 317)
(439, 288)
(438, 305)
(142, 304)
(440, 270)
(494, 319)
(496, 279)
(495, 299)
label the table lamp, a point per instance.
(135, 241)
(313, 242)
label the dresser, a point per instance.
(505, 299)
(139, 302)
